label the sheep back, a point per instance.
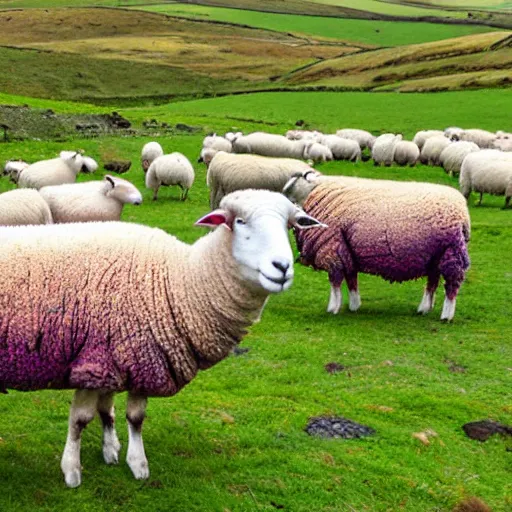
(23, 207)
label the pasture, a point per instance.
(234, 439)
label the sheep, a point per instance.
(268, 144)
(140, 311)
(317, 152)
(89, 166)
(57, 171)
(482, 138)
(90, 201)
(452, 156)
(364, 139)
(314, 136)
(207, 155)
(406, 153)
(169, 170)
(342, 149)
(452, 130)
(150, 151)
(503, 141)
(487, 172)
(384, 148)
(13, 169)
(229, 172)
(432, 149)
(22, 207)
(422, 136)
(232, 136)
(397, 230)
(218, 143)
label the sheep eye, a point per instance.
(240, 221)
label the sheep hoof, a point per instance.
(111, 453)
(140, 468)
(73, 478)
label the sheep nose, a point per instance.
(283, 267)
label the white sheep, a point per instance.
(487, 172)
(232, 136)
(150, 151)
(452, 130)
(383, 149)
(423, 135)
(364, 138)
(218, 143)
(432, 149)
(317, 152)
(342, 148)
(56, 171)
(503, 141)
(13, 169)
(482, 138)
(22, 207)
(269, 144)
(406, 153)
(453, 155)
(229, 172)
(207, 155)
(170, 170)
(104, 308)
(90, 201)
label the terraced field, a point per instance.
(483, 60)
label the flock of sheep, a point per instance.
(143, 312)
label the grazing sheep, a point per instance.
(364, 139)
(91, 201)
(150, 151)
(452, 130)
(482, 138)
(137, 310)
(57, 171)
(22, 207)
(487, 172)
(213, 144)
(342, 149)
(268, 144)
(397, 230)
(422, 136)
(229, 172)
(13, 169)
(432, 149)
(304, 135)
(503, 141)
(383, 149)
(453, 155)
(169, 170)
(207, 155)
(406, 153)
(232, 136)
(317, 152)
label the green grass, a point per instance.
(397, 378)
(328, 111)
(378, 33)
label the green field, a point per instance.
(233, 440)
(375, 32)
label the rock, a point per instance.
(337, 427)
(482, 430)
(117, 166)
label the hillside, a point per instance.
(483, 60)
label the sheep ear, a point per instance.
(302, 220)
(110, 180)
(214, 219)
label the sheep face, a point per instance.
(122, 190)
(259, 222)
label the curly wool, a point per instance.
(392, 229)
(453, 155)
(406, 153)
(119, 307)
(23, 207)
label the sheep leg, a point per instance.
(111, 445)
(136, 457)
(185, 194)
(155, 194)
(507, 202)
(480, 200)
(452, 266)
(429, 297)
(354, 299)
(83, 410)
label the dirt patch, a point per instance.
(482, 430)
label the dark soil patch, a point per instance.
(337, 427)
(118, 166)
(334, 367)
